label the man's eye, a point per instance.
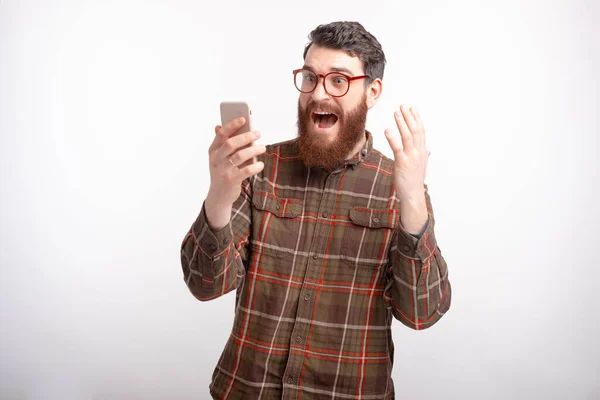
(309, 78)
(339, 80)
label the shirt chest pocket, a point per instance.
(368, 236)
(276, 224)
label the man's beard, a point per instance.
(315, 150)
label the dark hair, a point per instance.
(355, 40)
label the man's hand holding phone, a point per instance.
(229, 150)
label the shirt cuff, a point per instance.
(419, 246)
(211, 242)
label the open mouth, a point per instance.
(323, 119)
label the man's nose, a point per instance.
(319, 93)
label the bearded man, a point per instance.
(324, 239)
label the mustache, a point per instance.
(322, 106)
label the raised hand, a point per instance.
(410, 167)
(226, 153)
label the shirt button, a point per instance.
(298, 339)
(406, 247)
(325, 215)
(306, 297)
(278, 207)
(315, 256)
(376, 220)
(290, 380)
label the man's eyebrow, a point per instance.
(342, 69)
(332, 69)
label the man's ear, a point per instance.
(373, 92)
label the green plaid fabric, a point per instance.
(320, 265)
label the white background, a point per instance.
(107, 110)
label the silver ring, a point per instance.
(234, 166)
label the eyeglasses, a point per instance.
(335, 84)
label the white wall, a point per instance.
(107, 110)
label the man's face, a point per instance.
(327, 140)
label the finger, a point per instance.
(394, 140)
(412, 125)
(243, 139)
(233, 144)
(245, 154)
(416, 115)
(250, 170)
(227, 130)
(216, 141)
(407, 137)
(419, 132)
(408, 118)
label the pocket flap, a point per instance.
(283, 208)
(374, 218)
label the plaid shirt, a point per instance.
(320, 264)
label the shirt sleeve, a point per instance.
(418, 291)
(213, 261)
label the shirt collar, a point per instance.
(364, 152)
(359, 157)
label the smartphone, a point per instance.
(231, 110)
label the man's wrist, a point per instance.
(217, 214)
(413, 215)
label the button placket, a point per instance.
(299, 334)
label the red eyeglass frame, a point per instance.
(350, 78)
